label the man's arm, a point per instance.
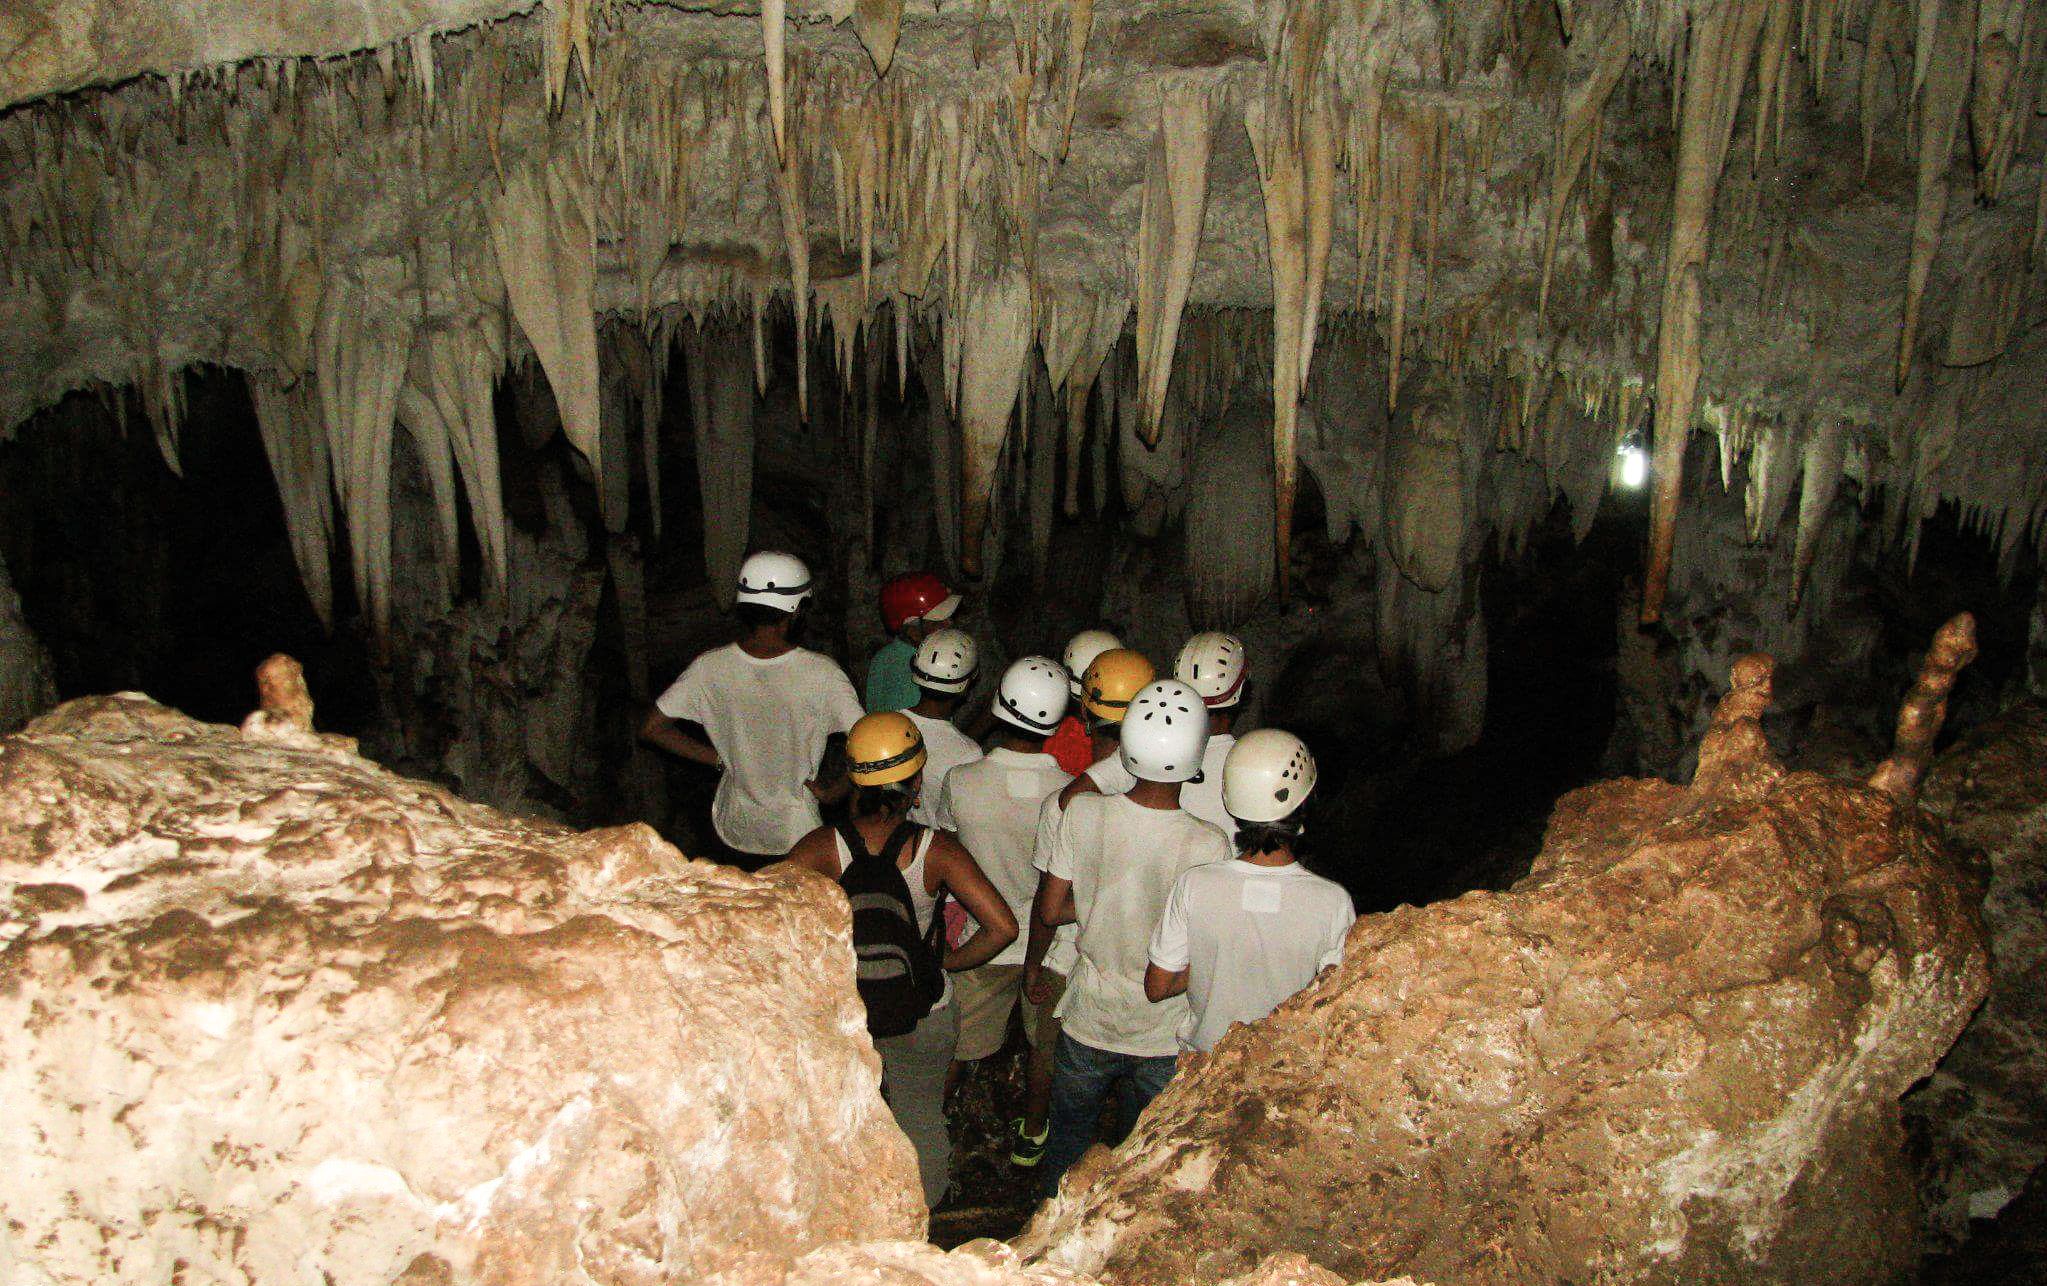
(1161, 984)
(831, 784)
(818, 852)
(962, 877)
(1049, 899)
(658, 729)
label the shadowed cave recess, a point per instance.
(1502, 374)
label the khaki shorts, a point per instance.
(984, 997)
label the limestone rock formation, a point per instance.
(1983, 1115)
(1673, 1053)
(980, 1263)
(274, 1014)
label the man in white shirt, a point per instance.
(1214, 665)
(943, 669)
(1114, 861)
(1237, 938)
(769, 709)
(994, 804)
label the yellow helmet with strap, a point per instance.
(1112, 680)
(884, 749)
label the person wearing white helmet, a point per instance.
(1214, 665)
(1114, 860)
(768, 710)
(944, 670)
(994, 804)
(1239, 937)
(1070, 743)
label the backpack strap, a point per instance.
(898, 840)
(856, 846)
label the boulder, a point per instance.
(1982, 1118)
(1673, 1053)
(269, 1013)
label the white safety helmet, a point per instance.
(774, 579)
(1033, 695)
(1165, 732)
(1267, 776)
(946, 661)
(1081, 651)
(1213, 665)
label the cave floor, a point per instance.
(989, 1196)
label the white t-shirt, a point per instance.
(769, 721)
(1110, 776)
(945, 748)
(1249, 937)
(1123, 859)
(994, 803)
(1204, 797)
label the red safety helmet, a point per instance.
(917, 596)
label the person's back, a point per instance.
(1123, 859)
(994, 805)
(769, 720)
(1249, 936)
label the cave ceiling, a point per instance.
(1810, 226)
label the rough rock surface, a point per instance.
(274, 1014)
(1983, 1116)
(1673, 1053)
(980, 1263)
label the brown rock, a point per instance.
(273, 1014)
(1983, 1115)
(1673, 1053)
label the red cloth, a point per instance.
(1071, 746)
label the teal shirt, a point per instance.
(891, 683)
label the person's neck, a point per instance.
(1220, 722)
(1161, 795)
(1023, 745)
(884, 822)
(939, 708)
(1281, 856)
(767, 644)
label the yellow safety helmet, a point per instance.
(884, 749)
(1113, 678)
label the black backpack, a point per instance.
(900, 972)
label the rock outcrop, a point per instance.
(1673, 1053)
(1983, 1115)
(274, 1014)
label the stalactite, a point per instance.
(1170, 215)
(773, 32)
(431, 436)
(546, 243)
(1821, 479)
(721, 420)
(362, 343)
(296, 447)
(996, 342)
(878, 23)
(1942, 86)
(1229, 546)
(1295, 151)
(568, 37)
(1773, 465)
(1574, 138)
(943, 439)
(1884, 39)
(789, 197)
(1041, 492)
(1080, 22)
(1722, 42)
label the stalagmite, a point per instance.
(721, 418)
(1170, 215)
(546, 241)
(1722, 41)
(1296, 155)
(296, 446)
(1943, 87)
(1924, 709)
(362, 342)
(1574, 138)
(996, 341)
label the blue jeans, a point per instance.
(1082, 1079)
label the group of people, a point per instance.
(1118, 866)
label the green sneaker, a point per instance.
(1027, 1150)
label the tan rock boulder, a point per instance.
(269, 1013)
(1673, 1053)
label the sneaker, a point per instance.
(1027, 1150)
